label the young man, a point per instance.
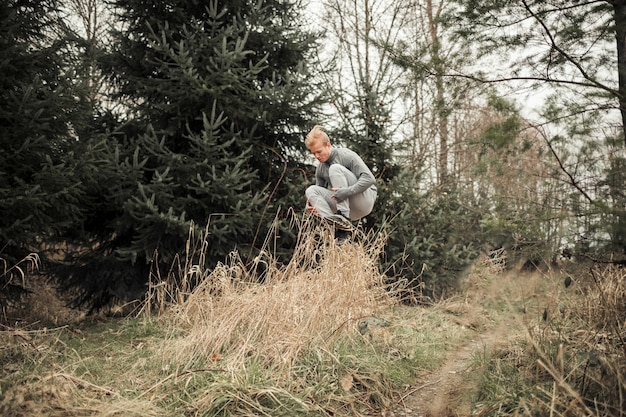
(344, 187)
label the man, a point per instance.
(344, 187)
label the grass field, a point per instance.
(324, 336)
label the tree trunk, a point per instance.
(441, 113)
(619, 6)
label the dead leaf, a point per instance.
(347, 383)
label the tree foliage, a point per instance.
(209, 94)
(378, 70)
(40, 106)
(577, 51)
(192, 113)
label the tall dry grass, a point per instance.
(269, 311)
(13, 283)
(247, 337)
(574, 360)
(587, 367)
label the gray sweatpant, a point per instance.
(355, 207)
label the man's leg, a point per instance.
(341, 177)
(319, 198)
(357, 206)
(320, 202)
(362, 204)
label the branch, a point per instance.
(424, 68)
(543, 79)
(572, 180)
(581, 70)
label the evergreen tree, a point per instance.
(433, 235)
(39, 109)
(215, 97)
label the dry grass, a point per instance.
(573, 362)
(60, 394)
(59, 372)
(233, 314)
(244, 338)
(588, 365)
(14, 284)
(257, 337)
(320, 335)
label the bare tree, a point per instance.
(366, 84)
(576, 51)
(441, 105)
(90, 20)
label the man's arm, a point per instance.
(365, 178)
(321, 179)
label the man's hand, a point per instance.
(340, 194)
(310, 207)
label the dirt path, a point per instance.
(442, 393)
(446, 391)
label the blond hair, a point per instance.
(316, 134)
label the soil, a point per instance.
(447, 391)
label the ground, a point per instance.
(492, 308)
(447, 391)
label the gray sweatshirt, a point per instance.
(354, 163)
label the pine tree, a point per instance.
(39, 104)
(215, 97)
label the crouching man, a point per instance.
(344, 187)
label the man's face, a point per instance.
(320, 150)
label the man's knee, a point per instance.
(341, 175)
(311, 191)
(336, 169)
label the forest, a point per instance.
(152, 157)
(127, 125)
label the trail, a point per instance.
(446, 391)
(442, 393)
